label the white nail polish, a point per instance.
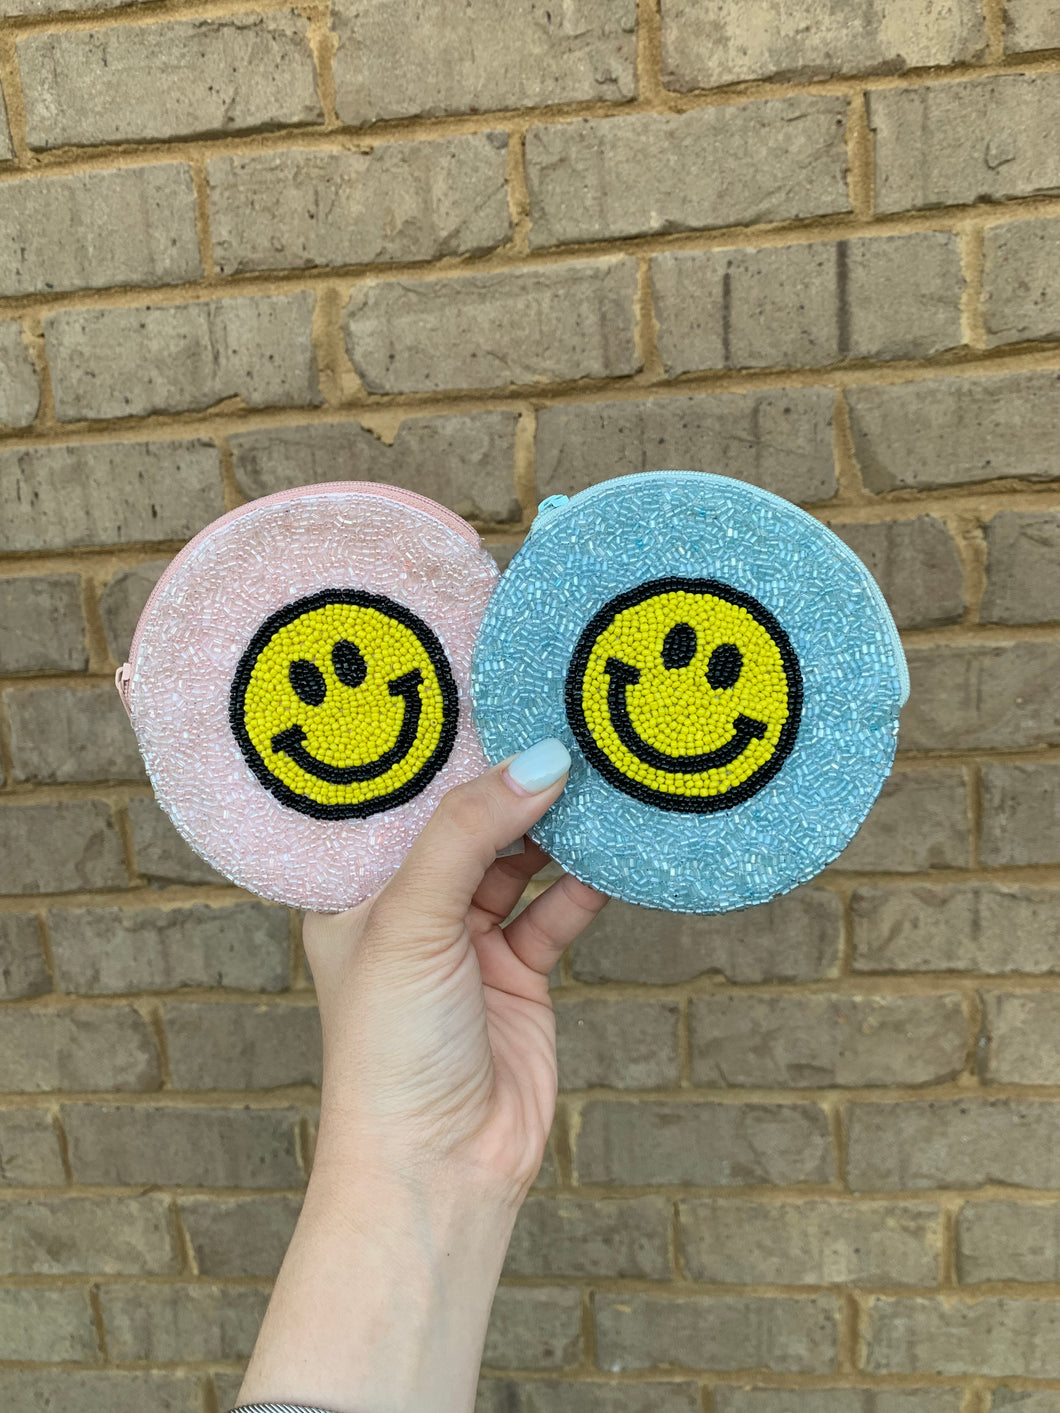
(540, 766)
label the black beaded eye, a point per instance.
(308, 681)
(350, 667)
(725, 666)
(679, 645)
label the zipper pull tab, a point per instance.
(122, 678)
(548, 507)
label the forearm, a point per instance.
(382, 1301)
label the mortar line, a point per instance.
(201, 189)
(96, 1308)
(524, 470)
(994, 20)
(518, 243)
(650, 80)
(860, 145)
(970, 245)
(11, 89)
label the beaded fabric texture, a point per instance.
(724, 671)
(300, 693)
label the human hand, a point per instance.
(438, 1095)
(439, 1034)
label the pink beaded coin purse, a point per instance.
(299, 685)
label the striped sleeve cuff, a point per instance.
(277, 1408)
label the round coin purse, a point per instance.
(299, 685)
(724, 671)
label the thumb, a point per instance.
(433, 888)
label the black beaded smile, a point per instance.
(723, 672)
(620, 676)
(308, 683)
(290, 741)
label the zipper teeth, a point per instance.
(367, 488)
(876, 593)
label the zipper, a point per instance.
(124, 674)
(552, 507)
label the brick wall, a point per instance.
(807, 1158)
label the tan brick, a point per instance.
(534, 1328)
(1021, 1037)
(59, 734)
(735, 41)
(42, 627)
(48, 1327)
(947, 144)
(247, 1236)
(711, 1145)
(78, 1047)
(29, 1150)
(105, 1391)
(1031, 24)
(1021, 287)
(59, 848)
(153, 82)
(808, 305)
(605, 178)
(810, 1243)
(1021, 815)
(952, 1143)
(131, 362)
(495, 330)
(22, 968)
(621, 1044)
(790, 1336)
(956, 431)
(822, 1041)
(161, 855)
(107, 493)
(555, 1396)
(106, 951)
(837, 1400)
(122, 601)
(181, 1323)
(574, 1237)
(226, 1388)
(465, 462)
(777, 438)
(1022, 568)
(1008, 1241)
(964, 927)
(794, 938)
(403, 201)
(102, 1236)
(481, 55)
(915, 563)
(1006, 1400)
(19, 385)
(97, 229)
(995, 1336)
(135, 1145)
(215, 1046)
(919, 821)
(982, 696)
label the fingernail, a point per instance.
(540, 766)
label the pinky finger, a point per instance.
(546, 927)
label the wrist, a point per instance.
(384, 1296)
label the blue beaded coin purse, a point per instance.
(724, 671)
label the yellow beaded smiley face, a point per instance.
(344, 704)
(685, 694)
